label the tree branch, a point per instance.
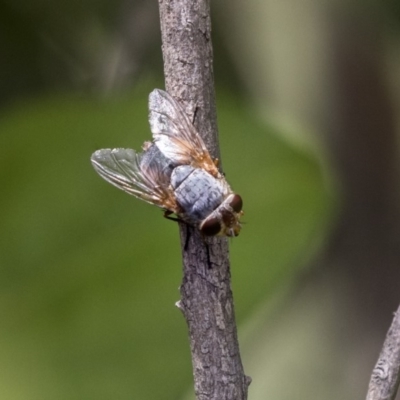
(385, 376)
(206, 297)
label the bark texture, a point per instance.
(386, 374)
(206, 296)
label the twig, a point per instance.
(206, 297)
(385, 376)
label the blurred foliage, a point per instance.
(85, 46)
(89, 275)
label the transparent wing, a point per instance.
(175, 135)
(123, 168)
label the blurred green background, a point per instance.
(307, 97)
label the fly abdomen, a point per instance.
(152, 156)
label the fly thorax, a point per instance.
(196, 191)
(179, 174)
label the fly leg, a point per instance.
(208, 255)
(167, 215)
(207, 247)
(188, 233)
(187, 237)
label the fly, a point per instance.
(174, 172)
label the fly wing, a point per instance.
(175, 135)
(124, 169)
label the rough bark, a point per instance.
(206, 296)
(385, 377)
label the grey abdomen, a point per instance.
(196, 191)
(152, 158)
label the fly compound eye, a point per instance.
(211, 227)
(236, 203)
